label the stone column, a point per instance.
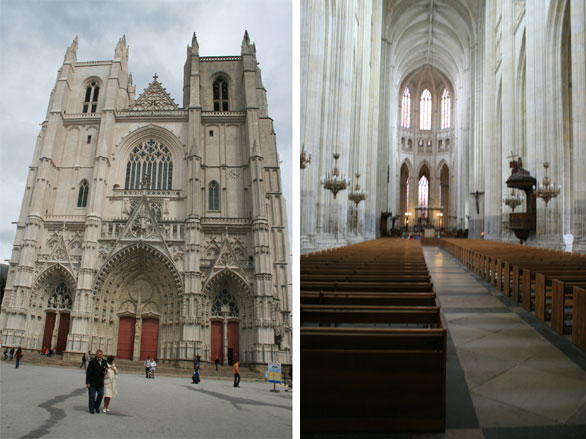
(578, 35)
(225, 334)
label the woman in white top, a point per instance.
(110, 390)
(152, 369)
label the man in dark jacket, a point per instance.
(94, 380)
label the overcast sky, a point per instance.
(34, 35)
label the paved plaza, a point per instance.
(37, 401)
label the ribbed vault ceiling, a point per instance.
(436, 32)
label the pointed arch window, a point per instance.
(150, 163)
(425, 110)
(220, 89)
(214, 196)
(226, 301)
(82, 194)
(90, 102)
(446, 101)
(423, 191)
(406, 109)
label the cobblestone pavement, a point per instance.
(52, 402)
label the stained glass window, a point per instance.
(150, 159)
(423, 191)
(446, 100)
(406, 109)
(425, 110)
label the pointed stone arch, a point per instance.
(126, 252)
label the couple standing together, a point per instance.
(100, 379)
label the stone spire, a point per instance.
(71, 52)
(121, 48)
(246, 46)
(194, 45)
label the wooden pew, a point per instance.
(561, 298)
(579, 318)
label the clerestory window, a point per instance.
(220, 94)
(90, 102)
(425, 110)
(150, 166)
(406, 109)
(446, 100)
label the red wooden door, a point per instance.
(233, 340)
(149, 340)
(62, 334)
(217, 341)
(49, 326)
(126, 338)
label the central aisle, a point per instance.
(521, 384)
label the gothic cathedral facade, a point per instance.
(151, 229)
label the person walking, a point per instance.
(153, 368)
(237, 374)
(88, 358)
(19, 355)
(147, 366)
(5, 354)
(83, 360)
(217, 361)
(94, 380)
(198, 361)
(11, 354)
(110, 389)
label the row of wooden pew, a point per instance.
(373, 342)
(550, 283)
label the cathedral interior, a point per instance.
(443, 227)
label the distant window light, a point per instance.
(440, 144)
(446, 101)
(406, 109)
(220, 94)
(425, 110)
(82, 194)
(429, 144)
(420, 143)
(423, 191)
(211, 133)
(90, 103)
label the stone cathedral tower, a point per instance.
(152, 229)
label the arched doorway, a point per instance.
(225, 340)
(137, 307)
(51, 303)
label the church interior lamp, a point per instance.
(305, 157)
(514, 199)
(357, 195)
(335, 182)
(546, 190)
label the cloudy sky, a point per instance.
(34, 35)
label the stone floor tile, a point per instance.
(493, 413)
(544, 394)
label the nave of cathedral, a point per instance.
(461, 125)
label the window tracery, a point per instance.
(225, 299)
(220, 92)
(60, 298)
(214, 196)
(90, 102)
(152, 162)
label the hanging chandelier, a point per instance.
(357, 195)
(513, 200)
(305, 157)
(335, 182)
(546, 190)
